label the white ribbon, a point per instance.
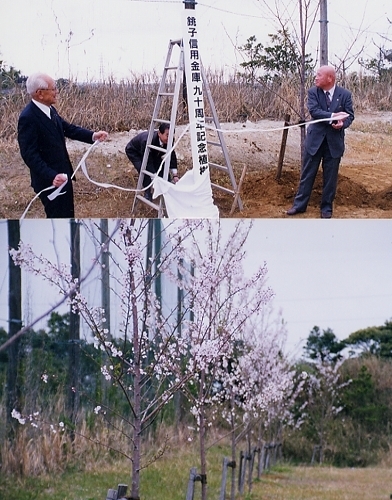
(337, 116)
(31, 202)
(82, 162)
(58, 190)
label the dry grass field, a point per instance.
(325, 483)
(364, 190)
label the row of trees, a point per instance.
(213, 353)
(215, 347)
(341, 406)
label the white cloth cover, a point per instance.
(187, 200)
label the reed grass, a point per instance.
(128, 104)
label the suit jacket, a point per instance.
(317, 132)
(135, 151)
(42, 144)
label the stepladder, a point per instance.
(170, 106)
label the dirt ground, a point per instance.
(364, 189)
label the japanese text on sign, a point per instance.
(195, 95)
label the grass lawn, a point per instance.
(168, 479)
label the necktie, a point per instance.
(328, 99)
(54, 119)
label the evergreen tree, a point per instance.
(323, 345)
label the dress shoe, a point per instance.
(326, 215)
(293, 211)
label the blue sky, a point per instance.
(334, 274)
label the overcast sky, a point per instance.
(91, 39)
(334, 274)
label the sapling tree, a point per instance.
(256, 380)
(295, 20)
(140, 362)
(226, 303)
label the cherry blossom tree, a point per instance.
(256, 381)
(323, 391)
(180, 347)
(225, 303)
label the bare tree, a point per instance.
(298, 18)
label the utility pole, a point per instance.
(74, 330)
(15, 324)
(323, 33)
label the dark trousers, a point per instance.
(61, 207)
(153, 168)
(309, 170)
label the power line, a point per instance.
(345, 297)
(345, 27)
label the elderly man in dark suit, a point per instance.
(135, 151)
(324, 140)
(41, 137)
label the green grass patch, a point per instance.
(167, 479)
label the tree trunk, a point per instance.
(323, 32)
(137, 427)
(302, 81)
(202, 423)
(105, 296)
(233, 453)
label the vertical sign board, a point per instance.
(194, 81)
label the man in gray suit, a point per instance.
(324, 140)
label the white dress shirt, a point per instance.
(43, 107)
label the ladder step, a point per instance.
(219, 167)
(211, 143)
(146, 172)
(167, 68)
(166, 94)
(161, 120)
(147, 202)
(157, 148)
(221, 188)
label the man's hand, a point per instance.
(59, 179)
(100, 136)
(337, 124)
(338, 118)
